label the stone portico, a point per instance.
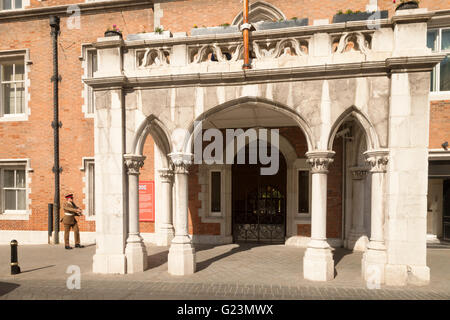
(367, 83)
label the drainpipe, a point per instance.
(245, 27)
(56, 124)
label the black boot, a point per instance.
(68, 247)
(79, 246)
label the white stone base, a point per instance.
(109, 263)
(181, 259)
(401, 275)
(318, 264)
(396, 275)
(418, 275)
(136, 257)
(432, 238)
(373, 267)
(357, 242)
(302, 242)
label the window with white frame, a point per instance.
(91, 68)
(303, 187)
(12, 86)
(11, 4)
(438, 40)
(13, 189)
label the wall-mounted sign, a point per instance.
(146, 201)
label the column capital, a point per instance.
(359, 173)
(166, 175)
(320, 160)
(133, 163)
(377, 159)
(181, 161)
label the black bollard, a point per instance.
(15, 269)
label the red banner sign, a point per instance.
(146, 201)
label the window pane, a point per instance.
(431, 39)
(8, 99)
(6, 4)
(18, 4)
(445, 75)
(303, 192)
(8, 179)
(10, 200)
(20, 98)
(7, 72)
(20, 178)
(21, 201)
(445, 45)
(20, 71)
(215, 191)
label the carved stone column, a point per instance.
(318, 261)
(374, 259)
(135, 250)
(166, 231)
(357, 238)
(181, 260)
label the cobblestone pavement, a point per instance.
(223, 272)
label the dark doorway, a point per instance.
(259, 203)
(446, 210)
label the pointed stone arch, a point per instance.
(260, 11)
(153, 126)
(372, 141)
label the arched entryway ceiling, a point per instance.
(252, 112)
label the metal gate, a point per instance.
(259, 203)
(263, 219)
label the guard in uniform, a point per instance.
(70, 212)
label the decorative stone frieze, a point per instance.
(352, 41)
(320, 160)
(276, 49)
(152, 57)
(134, 163)
(377, 159)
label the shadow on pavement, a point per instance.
(6, 287)
(31, 270)
(241, 247)
(338, 254)
(156, 260)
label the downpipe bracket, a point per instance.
(59, 124)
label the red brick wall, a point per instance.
(195, 224)
(439, 123)
(34, 138)
(206, 13)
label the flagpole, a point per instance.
(245, 27)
